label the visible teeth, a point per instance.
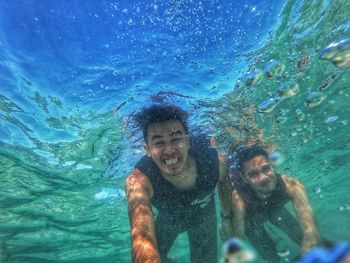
(171, 161)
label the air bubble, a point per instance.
(338, 53)
(253, 77)
(274, 69)
(268, 105)
(288, 89)
(315, 98)
(330, 119)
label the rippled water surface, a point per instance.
(73, 72)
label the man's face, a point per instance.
(168, 144)
(259, 174)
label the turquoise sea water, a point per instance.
(72, 73)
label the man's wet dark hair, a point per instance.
(249, 153)
(160, 113)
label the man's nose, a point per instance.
(263, 176)
(169, 148)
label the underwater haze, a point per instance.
(72, 73)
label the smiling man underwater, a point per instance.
(178, 177)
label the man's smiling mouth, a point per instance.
(171, 161)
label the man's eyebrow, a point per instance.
(155, 137)
(176, 133)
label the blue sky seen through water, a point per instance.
(72, 48)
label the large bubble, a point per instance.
(299, 115)
(253, 77)
(315, 98)
(288, 89)
(269, 104)
(274, 69)
(338, 53)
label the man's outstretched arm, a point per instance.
(238, 222)
(139, 192)
(296, 191)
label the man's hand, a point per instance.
(310, 240)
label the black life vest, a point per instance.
(256, 205)
(167, 197)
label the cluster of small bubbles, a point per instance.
(115, 73)
(338, 53)
(344, 207)
(107, 193)
(253, 77)
(315, 98)
(293, 134)
(317, 190)
(238, 83)
(90, 93)
(268, 105)
(330, 119)
(130, 22)
(48, 203)
(288, 89)
(283, 112)
(281, 119)
(299, 115)
(274, 69)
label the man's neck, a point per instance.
(185, 180)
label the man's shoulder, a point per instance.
(144, 160)
(147, 166)
(292, 185)
(137, 180)
(135, 176)
(289, 180)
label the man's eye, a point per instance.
(266, 168)
(177, 139)
(159, 143)
(253, 174)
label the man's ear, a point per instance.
(146, 147)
